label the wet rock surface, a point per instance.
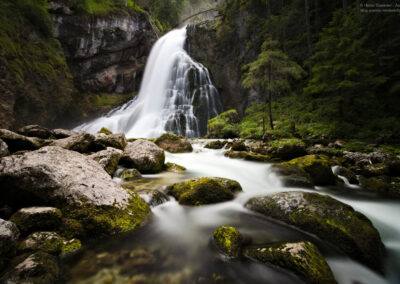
(37, 218)
(228, 240)
(173, 143)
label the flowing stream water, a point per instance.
(176, 95)
(178, 237)
(174, 247)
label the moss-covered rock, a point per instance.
(37, 218)
(287, 149)
(249, 156)
(225, 125)
(145, 156)
(238, 145)
(292, 176)
(108, 159)
(37, 268)
(70, 248)
(382, 185)
(228, 240)
(202, 191)
(157, 198)
(217, 144)
(348, 174)
(105, 131)
(174, 143)
(175, 168)
(327, 218)
(130, 175)
(48, 242)
(316, 167)
(302, 258)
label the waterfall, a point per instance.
(176, 95)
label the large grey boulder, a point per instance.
(17, 142)
(327, 218)
(79, 142)
(37, 218)
(145, 156)
(3, 149)
(9, 235)
(108, 159)
(60, 133)
(74, 183)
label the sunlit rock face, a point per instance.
(105, 53)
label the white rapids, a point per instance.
(176, 95)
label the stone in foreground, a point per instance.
(79, 142)
(201, 191)
(327, 218)
(17, 142)
(38, 268)
(302, 258)
(108, 159)
(228, 240)
(9, 235)
(144, 156)
(173, 143)
(75, 184)
(37, 218)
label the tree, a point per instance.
(272, 73)
(342, 65)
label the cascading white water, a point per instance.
(176, 95)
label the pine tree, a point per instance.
(272, 73)
(341, 64)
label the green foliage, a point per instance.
(225, 125)
(101, 7)
(342, 65)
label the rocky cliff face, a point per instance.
(105, 53)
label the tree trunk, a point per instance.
(271, 121)
(307, 15)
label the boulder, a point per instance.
(79, 142)
(327, 218)
(105, 130)
(102, 141)
(17, 142)
(249, 156)
(49, 242)
(202, 191)
(9, 235)
(130, 175)
(62, 133)
(76, 184)
(3, 149)
(382, 185)
(217, 144)
(175, 168)
(228, 240)
(108, 159)
(39, 267)
(36, 131)
(238, 145)
(302, 258)
(291, 176)
(144, 156)
(287, 149)
(173, 143)
(37, 218)
(315, 168)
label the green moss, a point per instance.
(110, 220)
(171, 167)
(202, 191)
(130, 175)
(102, 7)
(287, 148)
(249, 156)
(105, 131)
(302, 258)
(228, 240)
(110, 100)
(70, 247)
(48, 242)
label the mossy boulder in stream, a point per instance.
(287, 149)
(174, 143)
(302, 258)
(327, 218)
(73, 183)
(217, 144)
(311, 169)
(202, 191)
(37, 218)
(228, 240)
(175, 168)
(145, 156)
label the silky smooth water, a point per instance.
(179, 236)
(176, 95)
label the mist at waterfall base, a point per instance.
(179, 237)
(176, 95)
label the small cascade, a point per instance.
(176, 95)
